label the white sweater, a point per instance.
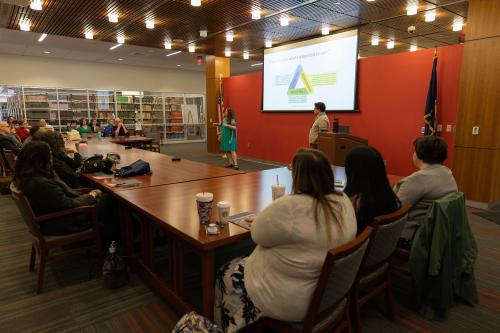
(282, 272)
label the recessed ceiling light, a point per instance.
(178, 65)
(114, 47)
(42, 37)
(203, 33)
(256, 14)
(46, 52)
(457, 24)
(191, 48)
(370, 0)
(120, 39)
(246, 55)
(325, 30)
(375, 40)
(411, 10)
(227, 52)
(284, 21)
(229, 36)
(173, 53)
(269, 43)
(390, 44)
(113, 17)
(36, 4)
(430, 15)
(120, 59)
(150, 23)
(24, 24)
(89, 34)
(196, 3)
(257, 64)
(168, 45)
(413, 48)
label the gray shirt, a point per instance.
(322, 123)
(421, 188)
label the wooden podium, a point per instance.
(337, 145)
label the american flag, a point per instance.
(220, 106)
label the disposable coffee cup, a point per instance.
(204, 205)
(278, 190)
(223, 208)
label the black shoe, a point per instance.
(229, 166)
(235, 167)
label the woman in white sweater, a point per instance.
(293, 235)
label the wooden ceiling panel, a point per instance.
(178, 21)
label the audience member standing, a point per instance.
(321, 124)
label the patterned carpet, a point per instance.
(74, 300)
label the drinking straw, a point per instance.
(277, 180)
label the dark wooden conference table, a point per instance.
(168, 203)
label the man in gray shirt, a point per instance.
(431, 182)
(321, 124)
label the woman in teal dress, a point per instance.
(84, 127)
(228, 141)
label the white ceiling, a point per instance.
(26, 43)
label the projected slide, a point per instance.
(316, 70)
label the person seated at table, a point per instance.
(84, 127)
(120, 129)
(33, 130)
(43, 124)
(368, 186)
(7, 140)
(22, 130)
(431, 182)
(96, 127)
(293, 235)
(35, 176)
(64, 166)
(109, 129)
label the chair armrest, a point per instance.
(82, 209)
(82, 190)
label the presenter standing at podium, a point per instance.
(321, 124)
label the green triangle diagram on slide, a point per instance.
(300, 74)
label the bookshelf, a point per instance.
(167, 117)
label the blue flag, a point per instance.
(431, 104)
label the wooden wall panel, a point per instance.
(216, 67)
(483, 19)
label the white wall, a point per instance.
(61, 73)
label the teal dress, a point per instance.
(226, 143)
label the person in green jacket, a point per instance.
(84, 127)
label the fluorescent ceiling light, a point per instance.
(227, 52)
(191, 48)
(120, 39)
(24, 24)
(269, 43)
(113, 17)
(89, 35)
(430, 15)
(150, 23)
(258, 64)
(196, 3)
(284, 21)
(413, 48)
(457, 24)
(114, 47)
(42, 37)
(325, 30)
(36, 4)
(229, 36)
(168, 45)
(246, 55)
(390, 44)
(173, 53)
(256, 14)
(375, 40)
(411, 10)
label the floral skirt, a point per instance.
(233, 308)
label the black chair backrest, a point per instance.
(27, 213)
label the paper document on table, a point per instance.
(124, 183)
(101, 175)
(241, 219)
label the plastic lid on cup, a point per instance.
(205, 197)
(223, 204)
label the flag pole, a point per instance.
(435, 100)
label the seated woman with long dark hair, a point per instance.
(368, 186)
(36, 178)
(293, 235)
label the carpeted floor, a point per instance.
(75, 301)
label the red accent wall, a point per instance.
(392, 91)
